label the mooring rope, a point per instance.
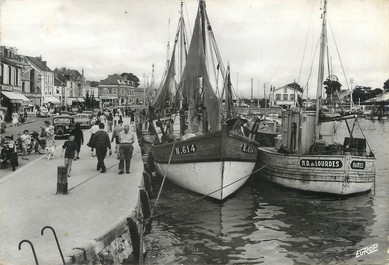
(164, 178)
(202, 197)
(97, 174)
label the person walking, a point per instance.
(132, 115)
(78, 138)
(70, 154)
(50, 143)
(101, 143)
(110, 121)
(103, 119)
(26, 140)
(15, 119)
(93, 130)
(126, 139)
(115, 135)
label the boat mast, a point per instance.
(321, 71)
(181, 48)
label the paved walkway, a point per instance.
(96, 205)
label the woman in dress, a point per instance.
(15, 119)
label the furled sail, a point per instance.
(196, 88)
(167, 91)
(230, 108)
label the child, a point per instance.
(70, 153)
(26, 141)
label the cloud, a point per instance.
(262, 39)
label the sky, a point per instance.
(273, 42)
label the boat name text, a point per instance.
(185, 149)
(358, 164)
(321, 163)
(248, 149)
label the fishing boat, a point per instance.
(306, 156)
(206, 156)
(267, 129)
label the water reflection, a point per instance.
(266, 223)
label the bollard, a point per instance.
(62, 180)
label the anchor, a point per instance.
(32, 247)
(56, 239)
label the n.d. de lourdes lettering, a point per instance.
(321, 163)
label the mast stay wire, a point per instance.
(297, 22)
(306, 42)
(340, 59)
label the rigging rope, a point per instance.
(340, 59)
(164, 178)
(305, 45)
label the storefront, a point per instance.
(14, 102)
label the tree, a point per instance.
(131, 77)
(386, 85)
(332, 87)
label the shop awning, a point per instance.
(15, 97)
(109, 97)
(51, 99)
(71, 100)
(80, 99)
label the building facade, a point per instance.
(285, 96)
(75, 81)
(42, 81)
(13, 67)
(115, 90)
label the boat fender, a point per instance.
(145, 204)
(134, 236)
(147, 183)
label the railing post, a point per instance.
(62, 180)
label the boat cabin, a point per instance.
(298, 133)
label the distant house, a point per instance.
(74, 81)
(13, 81)
(42, 81)
(285, 96)
(116, 90)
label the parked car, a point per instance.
(43, 112)
(84, 119)
(89, 112)
(64, 112)
(63, 125)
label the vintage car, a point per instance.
(43, 112)
(63, 125)
(84, 119)
(89, 112)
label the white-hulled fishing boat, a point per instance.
(306, 156)
(207, 157)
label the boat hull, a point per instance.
(334, 174)
(215, 164)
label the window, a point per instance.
(278, 96)
(291, 96)
(285, 90)
(285, 96)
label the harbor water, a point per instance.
(263, 223)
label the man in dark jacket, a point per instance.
(101, 142)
